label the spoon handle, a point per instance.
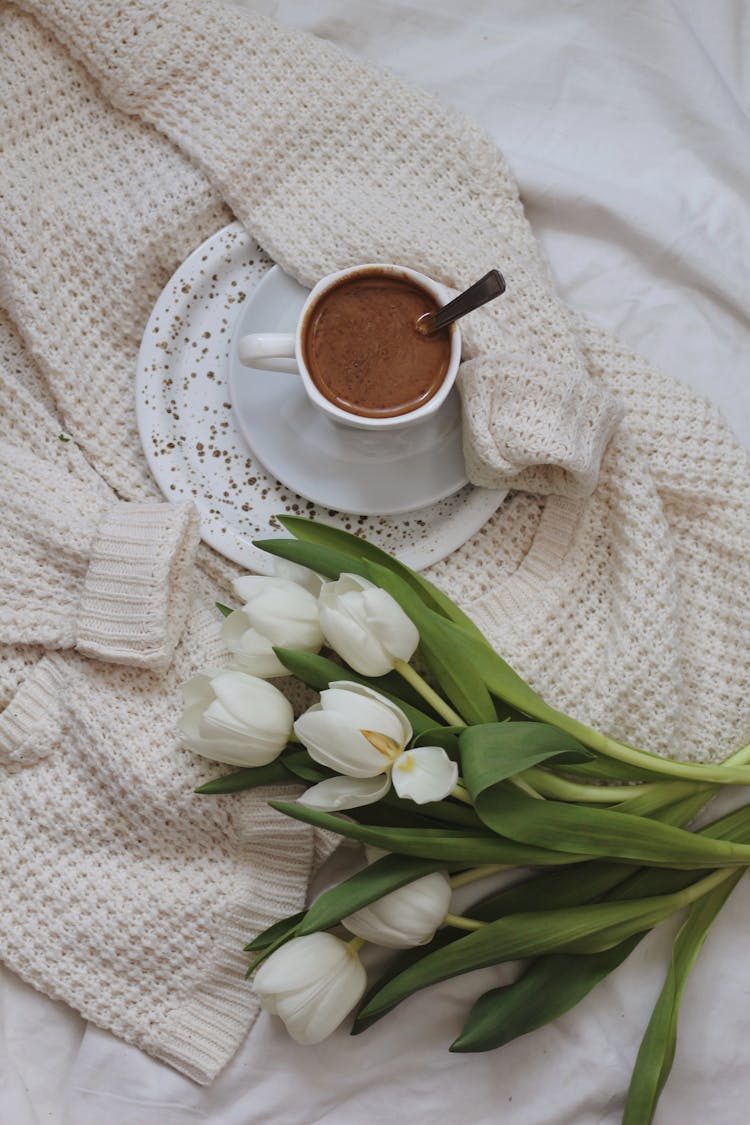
(482, 291)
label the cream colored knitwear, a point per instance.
(614, 577)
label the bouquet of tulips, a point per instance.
(448, 775)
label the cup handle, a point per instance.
(268, 351)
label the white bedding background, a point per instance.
(626, 124)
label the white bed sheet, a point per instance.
(626, 125)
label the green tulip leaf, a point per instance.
(446, 812)
(281, 939)
(645, 882)
(549, 988)
(293, 764)
(275, 773)
(395, 815)
(314, 670)
(604, 832)
(397, 811)
(301, 765)
(224, 610)
(657, 1049)
(442, 844)
(372, 882)
(284, 928)
(493, 752)
(466, 693)
(574, 886)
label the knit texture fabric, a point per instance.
(614, 576)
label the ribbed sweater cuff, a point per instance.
(136, 592)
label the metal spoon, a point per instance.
(482, 291)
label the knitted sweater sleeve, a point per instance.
(78, 569)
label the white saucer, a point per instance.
(337, 467)
(195, 447)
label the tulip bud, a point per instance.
(277, 612)
(405, 917)
(235, 718)
(311, 983)
(365, 625)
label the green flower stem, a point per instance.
(740, 757)
(464, 878)
(548, 785)
(520, 783)
(461, 793)
(428, 694)
(355, 945)
(697, 890)
(733, 771)
(461, 923)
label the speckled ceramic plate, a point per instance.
(195, 446)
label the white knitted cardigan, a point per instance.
(614, 577)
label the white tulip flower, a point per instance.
(365, 625)
(235, 718)
(362, 735)
(301, 575)
(312, 983)
(406, 917)
(277, 612)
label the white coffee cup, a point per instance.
(279, 351)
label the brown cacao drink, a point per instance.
(363, 350)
